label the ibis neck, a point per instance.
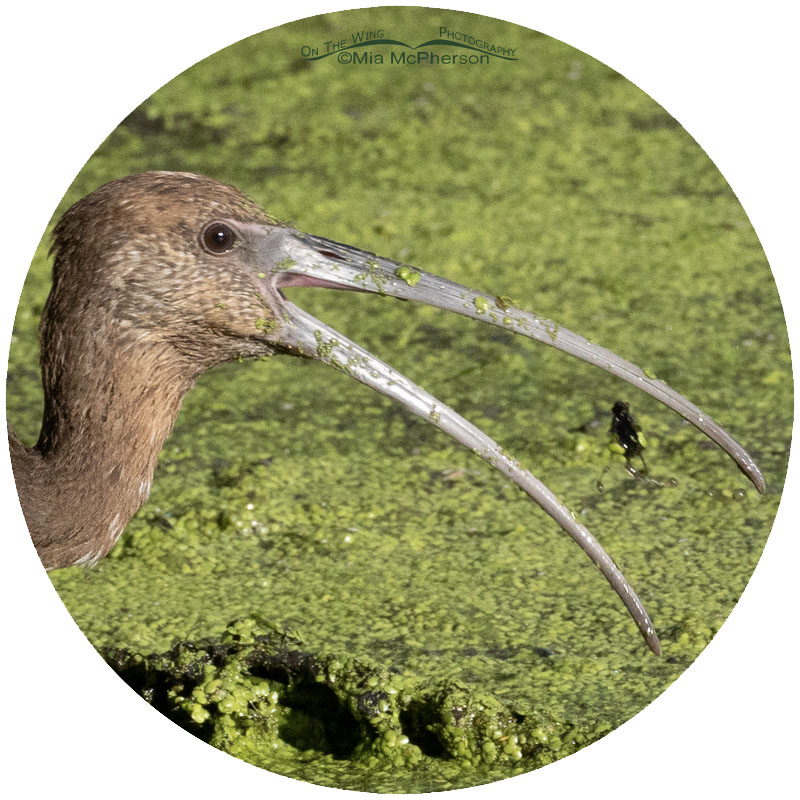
(109, 407)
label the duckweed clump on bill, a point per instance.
(481, 304)
(405, 620)
(410, 276)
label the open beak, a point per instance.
(299, 259)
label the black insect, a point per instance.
(629, 434)
(629, 441)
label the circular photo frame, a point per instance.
(319, 582)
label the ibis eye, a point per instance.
(218, 238)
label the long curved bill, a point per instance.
(313, 261)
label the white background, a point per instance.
(72, 71)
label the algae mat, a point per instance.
(326, 586)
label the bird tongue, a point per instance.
(288, 279)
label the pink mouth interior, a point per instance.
(289, 279)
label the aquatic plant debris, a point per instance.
(253, 690)
(481, 304)
(410, 276)
(449, 576)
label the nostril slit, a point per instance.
(330, 254)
